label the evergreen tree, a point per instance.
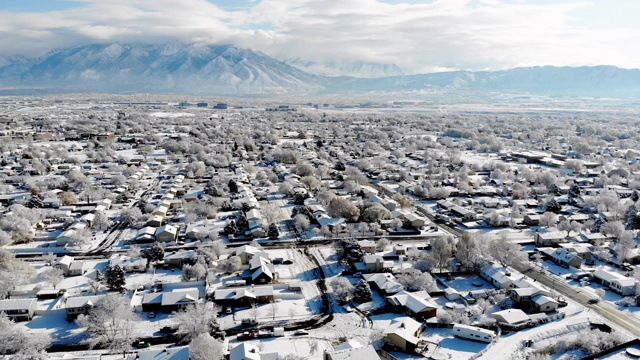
(231, 228)
(226, 206)
(154, 253)
(246, 207)
(362, 292)
(233, 186)
(574, 192)
(211, 189)
(635, 196)
(115, 278)
(632, 218)
(553, 206)
(242, 223)
(273, 233)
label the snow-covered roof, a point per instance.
(511, 316)
(16, 304)
(177, 353)
(405, 327)
(82, 301)
(356, 353)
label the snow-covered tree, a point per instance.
(441, 252)
(230, 265)
(16, 340)
(362, 291)
(205, 347)
(199, 318)
(114, 278)
(273, 233)
(112, 323)
(154, 253)
(52, 276)
(342, 289)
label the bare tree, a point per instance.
(272, 310)
(49, 258)
(196, 319)
(441, 251)
(111, 323)
(254, 311)
(53, 276)
(548, 219)
(205, 347)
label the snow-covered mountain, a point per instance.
(359, 69)
(228, 70)
(170, 67)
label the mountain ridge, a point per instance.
(229, 70)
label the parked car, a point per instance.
(142, 344)
(151, 315)
(348, 308)
(594, 301)
(246, 335)
(248, 322)
(301, 332)
(168, 329)
(288, 262)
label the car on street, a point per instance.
(301, 332)
(594, 301)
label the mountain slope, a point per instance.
(228, 70)
(175, 67)
(359, 69)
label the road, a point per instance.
(625, 321)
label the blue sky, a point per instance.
(418, 36)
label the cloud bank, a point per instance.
(418, 37)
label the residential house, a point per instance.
(262, 270)
(166, 233)
(129, 264)
(169, 353)
(247, 351)
(512, 317)
(619, 283)
(562, 257)
(77, 268)
(497, 276)
(248, 252)
(550, 238)
(243, 295)
(180, 258)
(63, 263)
(403, 333)
(367, 352)
(384, 282)
(416, 304)
(373, 263)
(367, 246)
(169, 301)
(80, 305)
(19, 309)
(544, 303)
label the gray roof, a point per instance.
(82, 301)
(16, 304)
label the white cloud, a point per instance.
(445, 34)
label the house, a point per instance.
(399, 249)
(169, 353)
(169, 301)
(367, 352)
(80, 305)
(166, 233)
(180, 258)
(416, 304)
(511, 317)
(247, 351)
(497, 276)
(367, 246)
(147, 234)
(544, 303)
(465, 214)
(247, 252)
(373, 263)
(531, 219)
(243, 295)
(384, 282)
(562, 257)
(619, 283)
(155, 221)
(19, 309)
(129, 264)
(63, 263)
(414, 220)
(549, 239)
(262, 270)
(77, 268)
(403, 333)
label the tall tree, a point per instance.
(114, 278)
(199, 318)
(112, 323)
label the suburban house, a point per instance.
(247, 252)
(166, 233)
(243, 295)
(544, 303)
(129, 264)
(169, 301)
(77, 268)
(63, 263)
(403, 333)
(416, 304)
(619, 283)
(19, 309)
(375, 264)
(562, 257)
(367, 246)
(180, 258)
(80, 305)
(550, 238)
(341, 352)
(246, 351)
(384, 282)
(262, 270)
(497, 276)
(511, 317)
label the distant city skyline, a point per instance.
(418, 36)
